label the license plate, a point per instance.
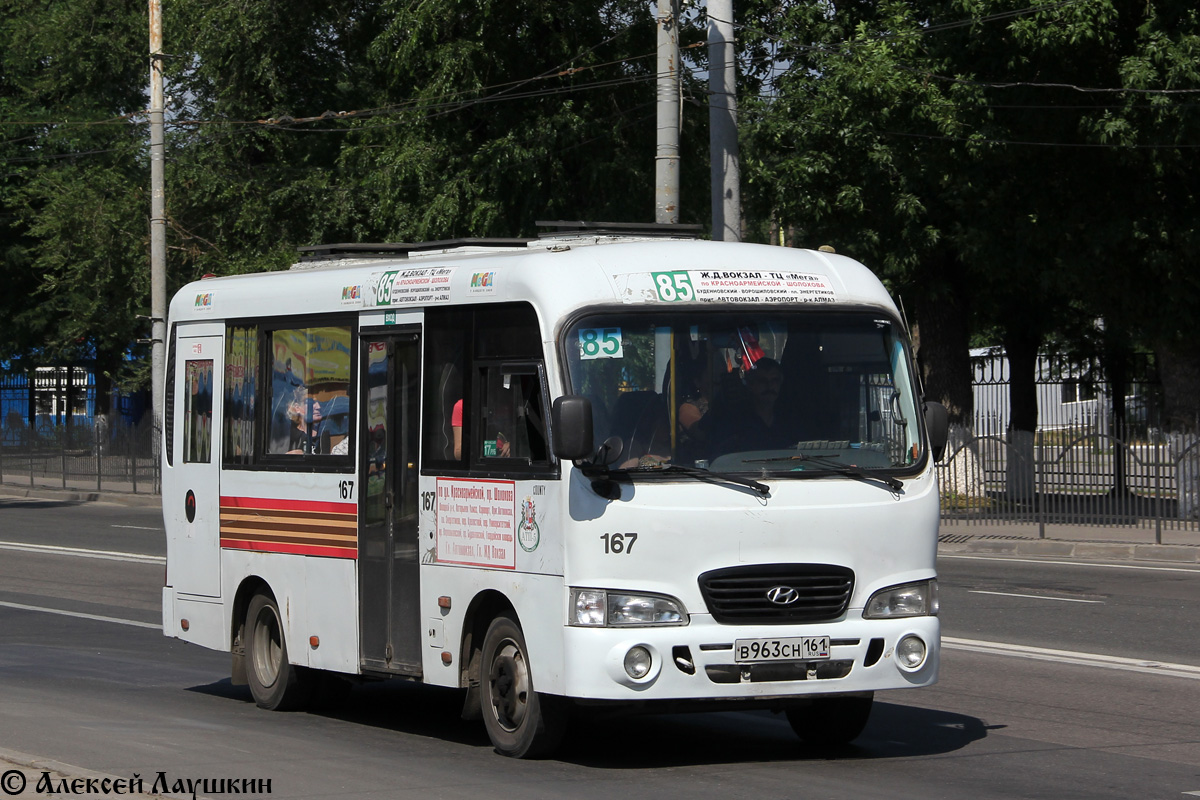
(794, 648)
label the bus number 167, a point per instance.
(618, 542)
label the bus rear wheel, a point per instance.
(831, 721)
(520, 722)
(275, 684)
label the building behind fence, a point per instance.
(50, 435)
(1085, 465)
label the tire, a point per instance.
(274, 682)
(520, 722)
(831, 721)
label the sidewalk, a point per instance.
(1179, 545)
(140, 500)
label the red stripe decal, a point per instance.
(272, 504)
(295, 549)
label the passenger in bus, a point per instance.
(335, 426)
(696, 388)
(754, 421)
(641, 423)
(305, 414)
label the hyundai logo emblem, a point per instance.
(782, 595)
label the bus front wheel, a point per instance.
(274, 682)
(520, 722)
(831, 721)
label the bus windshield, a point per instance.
(764, 393)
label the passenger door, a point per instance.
(191, 483)
(389, 561)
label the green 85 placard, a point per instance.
(600, 343)
(673, 286)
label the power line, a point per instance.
(1092, 145)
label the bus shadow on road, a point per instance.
(894, 730)
(406, 708)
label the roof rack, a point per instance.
(563, 228)
(581, 227)
(322, 252)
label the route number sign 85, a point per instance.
(600, 343)
(673, 286)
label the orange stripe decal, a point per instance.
(300, 527)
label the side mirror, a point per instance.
(571, 418)
(937, 424)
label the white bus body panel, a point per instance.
(685, 530)
(533, 583)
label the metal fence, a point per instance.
(1084, 466)
(49, 437)
(126, 460)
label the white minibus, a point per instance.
(610, 467)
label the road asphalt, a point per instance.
(1087, 542)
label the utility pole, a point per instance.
(666, 157)
(158, 221)
(722, 124)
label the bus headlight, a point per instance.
(638, 662)
(908, 600)
(910, 653)
(597, 607)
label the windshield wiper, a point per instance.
(844, 469)
(703, 474)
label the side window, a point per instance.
(447, 340)
(485, 403)
(241, 382)
(308, 402)
(197, 412)
(513, 419)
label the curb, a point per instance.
(78, 496)
(1172, 553)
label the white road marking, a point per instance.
(1147, 666)
(1193, 570)
(81, 615)
(138, 528)
(1035, 596)
(105, 555)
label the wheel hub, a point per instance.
(509, 681)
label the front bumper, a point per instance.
(696, 661)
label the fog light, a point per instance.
(910, 653)
(637, 662)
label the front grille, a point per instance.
(738, 595)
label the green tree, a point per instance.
(395, 121)
(72, 223)
(1001, 165)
